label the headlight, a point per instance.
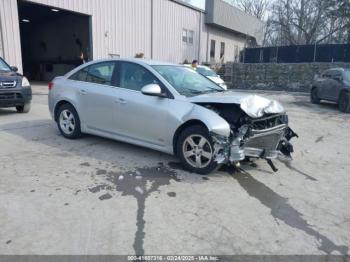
(25, 82)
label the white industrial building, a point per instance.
(45, 38)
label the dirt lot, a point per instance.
(97, 196)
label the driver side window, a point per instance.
(134, 77)
(336, 75)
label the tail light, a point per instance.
(50, 85)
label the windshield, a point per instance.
(347, 75)
(187, 81)
(206, 71)
(4, 66)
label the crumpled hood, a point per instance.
(8, 75)
(253, 105)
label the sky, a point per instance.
(199, 3)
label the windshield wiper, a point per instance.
(200, 92)
(212, 91)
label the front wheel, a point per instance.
(344, 102)
(195, 150)
(69, 122)
(24, 109)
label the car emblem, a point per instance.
(8, 84)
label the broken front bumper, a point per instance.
(266, 144)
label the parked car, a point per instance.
(169, 108)
(15, 90)
(210, 74)
(333, 85)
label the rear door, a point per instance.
(96, 95)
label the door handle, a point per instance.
(83, 92)
(121, 101)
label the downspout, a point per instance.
(200, 36)
(152, 29)
(207, 45)
(2, 40)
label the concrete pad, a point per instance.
(97, 196)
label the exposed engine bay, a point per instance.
(265, 137)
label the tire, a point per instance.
(314, 96)
(344, 102)
(23, 109)
(196, 141)
(68, 122)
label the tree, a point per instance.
(257, 8)
(308, 21)
(297, 22)
(339, 10)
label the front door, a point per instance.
(140, 117)
(326, 81)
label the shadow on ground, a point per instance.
(9, 111)
(280, 209)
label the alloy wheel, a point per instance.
(67, 122)
(197, 151)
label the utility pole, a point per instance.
(315, 50)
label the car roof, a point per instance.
(135, 60)
(199, 66)
(336, 69)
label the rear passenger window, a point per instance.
(80, 75)
(101, 73)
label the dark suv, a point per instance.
(15, 90)
(333, 85)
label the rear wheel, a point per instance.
(314, 96)
(68, 122)
(24, 109)
(344, 102)
(195, 150)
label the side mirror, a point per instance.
(14, 68)
(152, 90)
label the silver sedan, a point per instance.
(169, 108)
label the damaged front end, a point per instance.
(265, 138)
(263, 134)
(258, 128)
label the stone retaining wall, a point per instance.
(273, 76)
